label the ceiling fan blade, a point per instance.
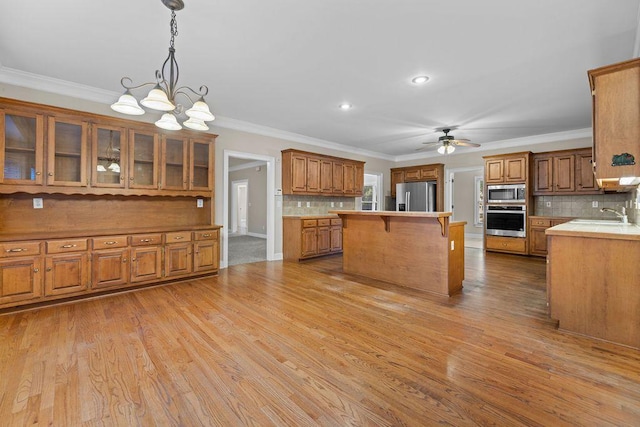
(464, 143)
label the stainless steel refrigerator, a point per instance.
(416, 196)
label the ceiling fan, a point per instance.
(448, 143)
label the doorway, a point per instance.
(461, 200)
(239, 206)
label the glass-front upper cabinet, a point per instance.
(143, 159)
(108, 156)
(201, 165)
(175, 174)
(67, 152)
(21, 145)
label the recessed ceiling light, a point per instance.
(345, 106)
(419, 80)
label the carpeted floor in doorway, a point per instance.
(244, 249)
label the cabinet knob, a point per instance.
(35, 270)
(38, 173)
(50, 173)
(48, 268)
(131, 179)
(134, 259)
(124, 260)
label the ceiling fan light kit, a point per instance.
(448, 143)
(162, 97)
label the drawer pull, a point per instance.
(110, 242)
(206, 235)
(179, 237)
(17, 250)
(68, 246)
(145, 240)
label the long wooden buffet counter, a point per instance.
(419, 250)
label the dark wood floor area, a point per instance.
(291, 344)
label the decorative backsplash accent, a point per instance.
(582, 206)
(318, 205)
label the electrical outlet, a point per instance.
(199, 203)
(548, 204)
(340, 204)
(594, 204)
(37, 203)
(299, 204)
(308, 204)
(453, 245)
(333, 204)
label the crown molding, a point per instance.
(512, 143)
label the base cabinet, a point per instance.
(309, 237)
(80, 267)
(537, 236)
(517, 245)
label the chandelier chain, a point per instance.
(174, 26)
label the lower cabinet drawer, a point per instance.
(13, 249)
(206, 235)
(146, 239)
(512, 244)
(110, 242)
(68, 245)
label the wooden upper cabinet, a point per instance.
(563, 172)
(67, 140)
(109, 156)
(615, 93)
(412, 175)
(316, 174)
(21, 147)
(201, 165)
(397, 177)
(174, 173)
(507, 169)
(144, 150)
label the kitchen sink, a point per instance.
(598, 222)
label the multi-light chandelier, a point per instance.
(162, 96)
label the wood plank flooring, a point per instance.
(289, 344)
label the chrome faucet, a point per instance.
(622, 215)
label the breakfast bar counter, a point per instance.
(419, 250)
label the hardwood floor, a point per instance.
(304, 344)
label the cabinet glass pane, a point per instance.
(201, 165)
(20, 148)
(68, 152)
(108, 152)
(143, 161)
(174, 163)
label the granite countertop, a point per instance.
(596, 229)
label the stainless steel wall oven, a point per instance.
(506, 220)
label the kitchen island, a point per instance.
(419, 250)
(593, 279)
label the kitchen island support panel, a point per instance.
(423, 251)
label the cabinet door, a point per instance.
(359, 187)
(326, 176)
(146, 263)
(585, 179)
(338, 177)
(412, 175)
(349, 183)
(108, 158)
(397, 177)
(298, 173)
(313, 175)
(538, 241)
(515, 169)
(309, 242)
(21, 148)
(494, 171)
(336, 238)
(174, 175)
(67, 152)
(66, 274)
(143, 159)
(201, 165)
(429, 173)
(205, 256)
(110, 268)
(324, 239)
(542, 175)
(178, 259)
(564, 173)
(20, 280)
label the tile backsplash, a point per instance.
(315, 205)
(583, 206)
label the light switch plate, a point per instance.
(200, 203)
(37, 203)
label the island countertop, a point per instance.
(393, 213)
(596, 230)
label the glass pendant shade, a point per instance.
(195, 124)
(114, 167)
(157, 100)
(101, 168)
(446, 149)
(127, 104)
(168, 121)
(200, 111)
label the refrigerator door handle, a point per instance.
(407, 196)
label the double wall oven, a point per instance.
(506, 211)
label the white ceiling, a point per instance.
(500, 69)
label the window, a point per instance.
(371, 192)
